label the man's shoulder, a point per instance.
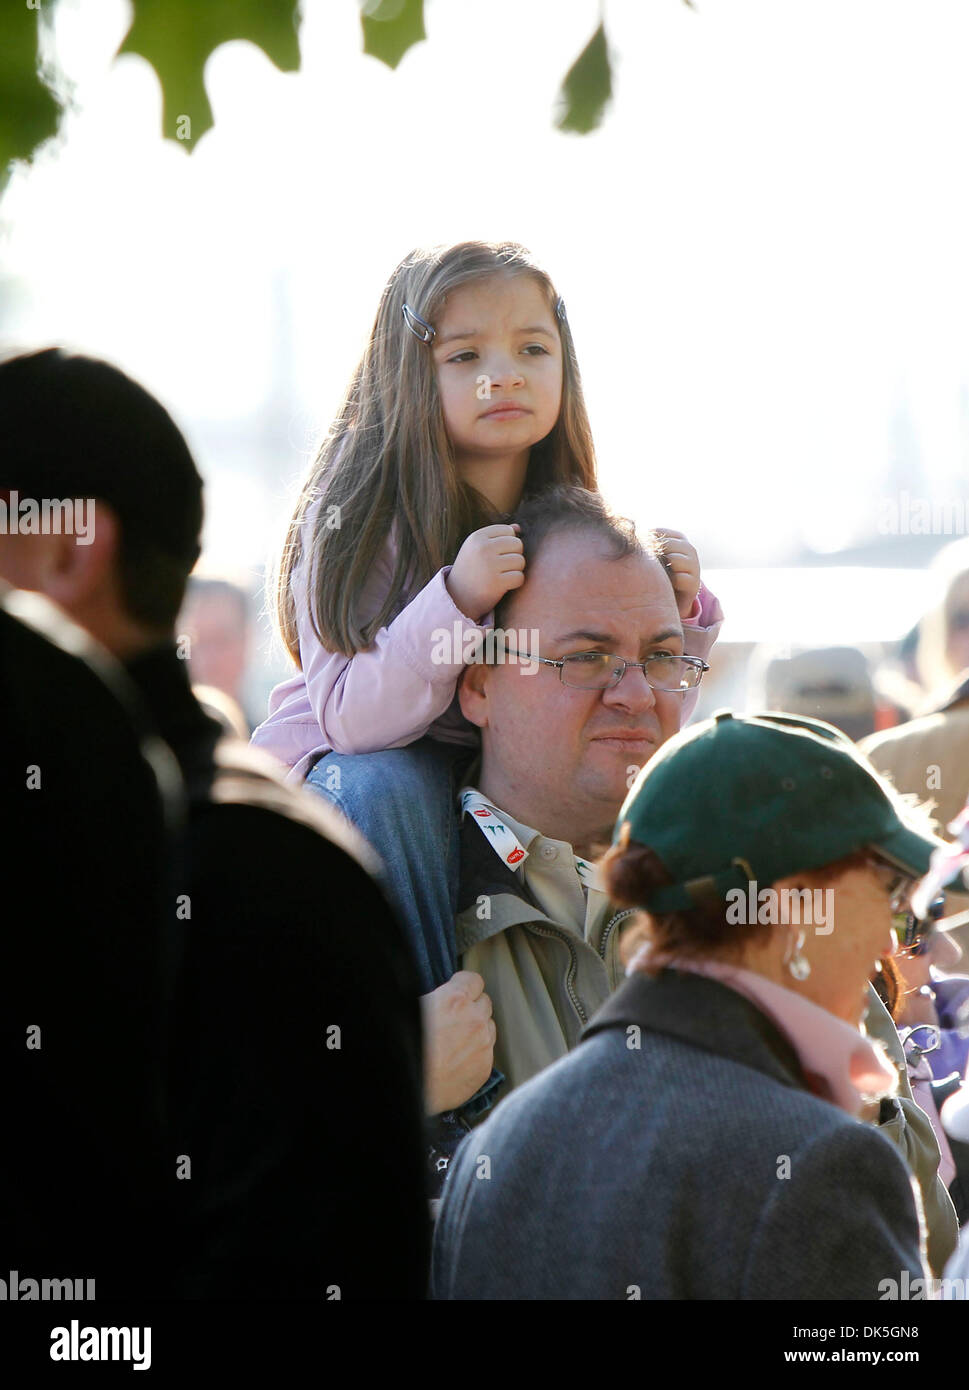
(939, 725)
(241, 803)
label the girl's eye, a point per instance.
(533, 349)
(465, 356)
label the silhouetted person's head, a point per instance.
(100, 499)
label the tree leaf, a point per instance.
(177, 36)
(28, 111)
(391, 27)
(586, 87)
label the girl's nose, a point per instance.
(506, 372)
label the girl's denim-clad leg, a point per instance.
(404, 800)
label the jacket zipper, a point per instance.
(613, 921)
(573, 965)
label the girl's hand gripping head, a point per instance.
(490, 562)
(683, 565)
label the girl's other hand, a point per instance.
(490, 562)
(684, 566)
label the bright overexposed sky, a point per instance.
(763, 250)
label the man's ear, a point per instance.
(76, 572)
(473, 693)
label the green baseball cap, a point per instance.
(741, 798)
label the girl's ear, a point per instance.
(473, 693)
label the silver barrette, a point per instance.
(418, 326)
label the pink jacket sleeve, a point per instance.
(700, 630)
(390, 694)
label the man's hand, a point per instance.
(459, 1041)
(684, 566)
(490, 562)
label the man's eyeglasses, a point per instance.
(600, 671)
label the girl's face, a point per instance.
(498, 358)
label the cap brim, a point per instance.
(910, 851)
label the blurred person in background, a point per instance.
(829, 683)
(934, 1053)
(942, 654)
(929, 756)
(215, 620)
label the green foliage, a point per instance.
(28, 112)
(390, 27)
(587, 87)
(177, 37)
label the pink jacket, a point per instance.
(394, 692)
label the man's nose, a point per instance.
(633, 692)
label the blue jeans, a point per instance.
(404, 800)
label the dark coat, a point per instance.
(305, 1142)
(675, 1154)
(90, 800)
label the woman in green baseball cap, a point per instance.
(768, 843)
(766, 854)
(705, 1140)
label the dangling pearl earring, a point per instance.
(795, 959)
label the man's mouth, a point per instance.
(627, 740)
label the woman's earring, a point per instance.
(795, 960)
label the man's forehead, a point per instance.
(583, 588)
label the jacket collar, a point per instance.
(707, 1014)
(510, 903)
(163, 683)
(484, 875)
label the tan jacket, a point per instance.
(545, 981)
(910, 1130)
(929, 757)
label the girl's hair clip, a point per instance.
(560, 310)
(418, 326)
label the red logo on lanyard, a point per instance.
(516, 854)
(482, 813)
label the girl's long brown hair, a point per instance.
(388, 456)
